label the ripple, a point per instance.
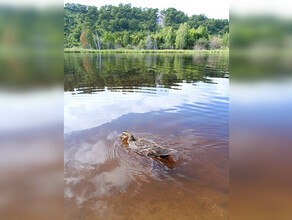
(176, 105)
(84, 111)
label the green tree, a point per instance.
(108, 41)
(203, 31)
(181, 36)
(225, 40)
(141, 45)
(174, 17)
(119, 26)
(136, 38)
(126, 39)
(193, 36)
(168, 37)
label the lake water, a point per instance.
(180, 101)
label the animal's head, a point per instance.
(127, 136)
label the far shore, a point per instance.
(74, 50)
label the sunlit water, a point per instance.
(178, 101)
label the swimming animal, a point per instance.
(145, 147)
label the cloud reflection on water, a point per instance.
(84, 111)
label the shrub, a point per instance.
(201, 44)
(215, 43)
(118, 46)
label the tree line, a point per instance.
(124, 26)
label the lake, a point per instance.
(180, 101)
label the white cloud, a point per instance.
(84, 111)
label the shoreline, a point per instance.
(69, 50)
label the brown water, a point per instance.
(178, 101)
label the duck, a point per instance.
(146, 147)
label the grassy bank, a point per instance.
(69, 50)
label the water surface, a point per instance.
(177, 100)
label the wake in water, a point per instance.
(101, 170)
(103, 166)
(148, 148)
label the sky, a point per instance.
(211, 8)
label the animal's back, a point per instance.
(149, 148)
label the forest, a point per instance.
(127, 27)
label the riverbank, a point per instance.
(69, 50)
